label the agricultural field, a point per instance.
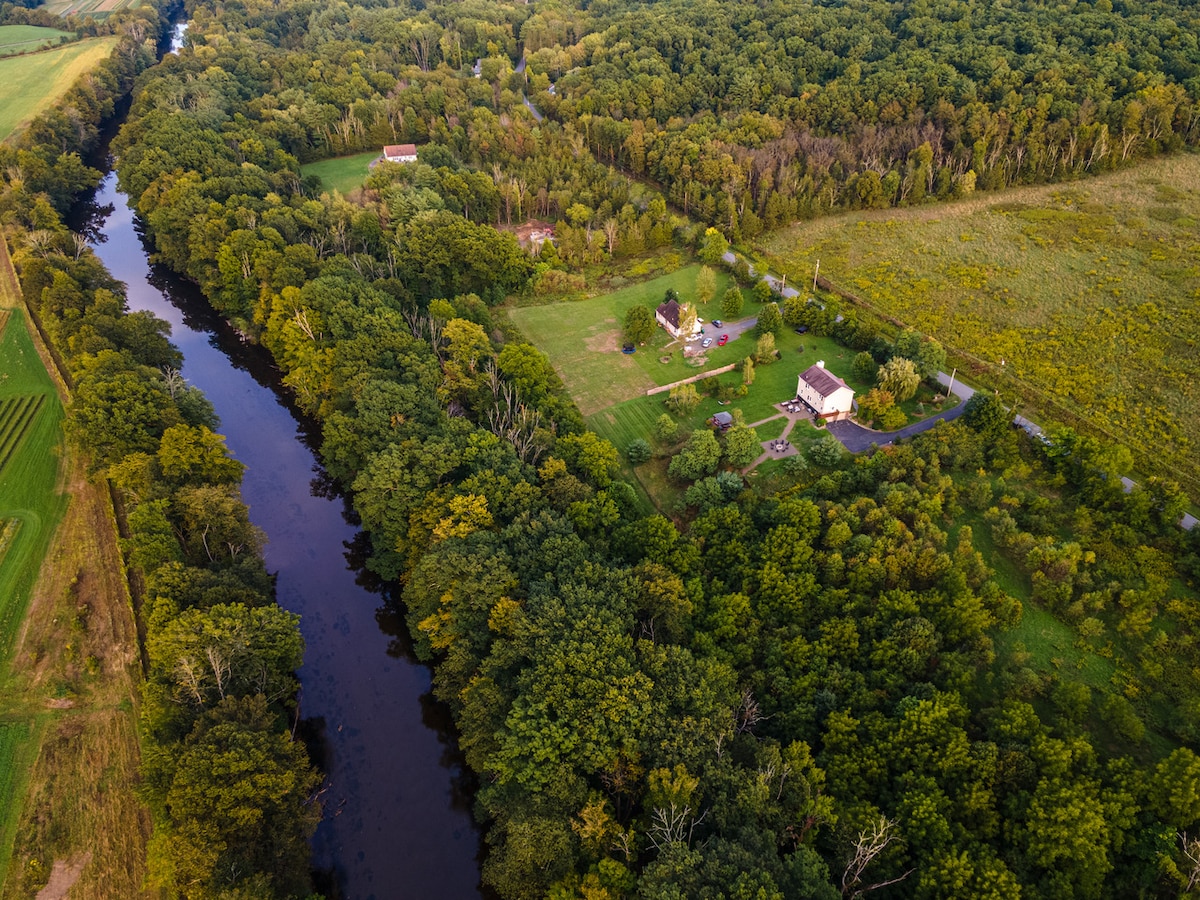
(343, 174)
(30, 500)
(15, 39)
(97, 9)
(35, 81)
(1076, 301)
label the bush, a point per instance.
(864, 367)
(827, 452)
(770, 319)
(732, 303)
(639, 451)
(666, 429)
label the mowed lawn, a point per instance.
(583, 340)
(37, 80)
(344, 173)
(1077, 300)
(23, 38)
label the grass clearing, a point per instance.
(34, 82)
(344, 173)
(16, 39)
(583, 340)
(1076, 301)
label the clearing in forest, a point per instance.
(583, 339)
(1077, 301)
(344, 173)
(35, 81)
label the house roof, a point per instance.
(670, 312)
(400, 150)
(823, 381)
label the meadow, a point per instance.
(16, 39)
(1077, 302)
(35, 81)
(343, 174)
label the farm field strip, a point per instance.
(34, 81)
(23, 38)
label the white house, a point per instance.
(826, 394)
(668, 315)
(400, 153)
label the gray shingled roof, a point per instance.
(822, 380)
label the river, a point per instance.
(397, 820)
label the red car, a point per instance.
(722, 340)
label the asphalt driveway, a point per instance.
(856, 439)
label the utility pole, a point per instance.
(816, 269)
(950, 390)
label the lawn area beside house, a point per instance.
(583, 340)
(344, 173)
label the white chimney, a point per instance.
(821, 363)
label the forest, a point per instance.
(830, 689)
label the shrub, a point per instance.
(827, 452)
(639, 451)
(864, 367)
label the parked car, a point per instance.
(707, 342)
(723, 340)
(717, 323)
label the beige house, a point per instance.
(826, 394)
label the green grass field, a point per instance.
(583, 341)
(30, 435)
(16, 39)
(344, 174)
(37, 80)
(1076, 301)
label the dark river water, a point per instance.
(397, 821)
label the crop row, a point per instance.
(16, 417)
